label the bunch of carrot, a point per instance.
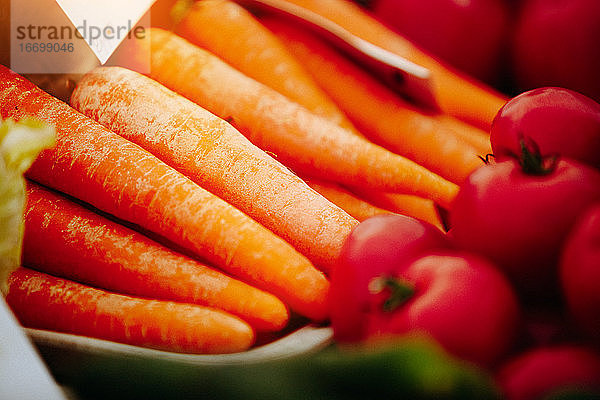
(191, 208)
(118, 177)
(456, 94)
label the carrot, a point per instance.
(353, 205)
(413, 206)
(216, 156)
(43, 301)
(65, 239)
(161, 13)
(301, 140)
(116, 176)
(378, 112)
(362, 204)
(248, 46)
(470, 134)
(456, 94)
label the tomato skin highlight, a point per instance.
(542, 371)
(380, 245)
(519, 221)
(461, 300)
(580, 272)
(560, 121)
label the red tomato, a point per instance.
(461, 300)
(519, 220)
(559, 120)
(556, 44)
(379, 245)
(544, 371)
(580, 272)
(468, 34)
(383, 287)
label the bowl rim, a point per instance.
(307, 339)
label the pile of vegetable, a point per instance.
(254, 179)
(513, 285)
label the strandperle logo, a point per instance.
(90, 33)
(72, 36)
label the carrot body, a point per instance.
(413, 206)
(378, 112)
(457, 95)
(215, 155)
(65, 239)
(101, 168)
(353, 205)
(161, 13)
(301, 140)
(470, 134)
(45, 302)
(248, 46)
(363, 204)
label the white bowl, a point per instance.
(304, 340)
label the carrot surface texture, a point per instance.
(43, 301)
(116, 176)
(381, 114)
(245, 44)
(352, 204)
(301, 140)
(456, 94)
(406, 204)
(363, 204)
(214, 154)
(65, 239)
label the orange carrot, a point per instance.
(353, 205)
(300, 139)
(65, 239)
(105, 170)
(233, 34)
(456, 94)
(413, 206)
(43, 301)
(216, 156)
(470, 134)
(362, 204)
(378, 112)
(161, 13)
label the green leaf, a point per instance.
(20, 143)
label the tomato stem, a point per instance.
(365, 3)
(487, 159)
(531, 160)
(400, 291)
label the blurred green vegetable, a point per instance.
(20, 143)
(411, 368)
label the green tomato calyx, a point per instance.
(532, 161)
(400, 291)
